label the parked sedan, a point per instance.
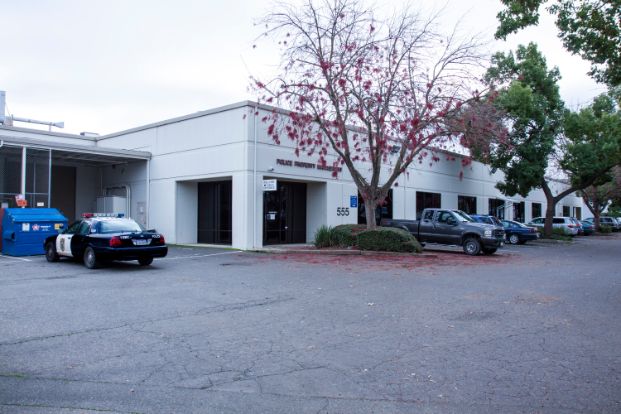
(587, 227)
(487, 219)
(607, 221)
(100, 238)
(564, 223)
(518, 233)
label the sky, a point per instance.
(106, 66)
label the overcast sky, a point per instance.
(106, 66)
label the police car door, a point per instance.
(63, 241)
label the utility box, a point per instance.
(112, 205)
(24, 230)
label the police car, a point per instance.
(100, 238)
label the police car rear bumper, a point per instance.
(130, 253)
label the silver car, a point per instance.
(568, 225)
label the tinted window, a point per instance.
(428, 215)
(83, 229)
(558, 221)
(118, 226)
(73, 228)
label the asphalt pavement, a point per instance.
(534, 329)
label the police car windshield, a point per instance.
(118, 226)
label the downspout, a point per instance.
(254, 189)
(23, 177)
(146, 213)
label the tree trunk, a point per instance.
(550, 207)
(369, 209)
(596, 214)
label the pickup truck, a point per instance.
(452, 227)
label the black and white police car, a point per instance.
(99, 238)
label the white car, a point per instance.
(566, 223)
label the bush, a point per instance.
(323, 236)
(605, 229)
(346, 234)
(388, 239)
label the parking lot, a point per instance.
(534, 329)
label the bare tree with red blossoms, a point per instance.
(369, 93)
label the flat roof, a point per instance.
(80, 151)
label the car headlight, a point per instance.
(488, 233)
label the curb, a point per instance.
(344, 252)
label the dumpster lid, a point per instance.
(21, 215)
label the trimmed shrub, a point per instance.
(388, 239)
(605, 229)
(346, 234)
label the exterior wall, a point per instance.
(87, 181)
(134, 176)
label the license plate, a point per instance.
(141, 242)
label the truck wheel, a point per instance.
(90, 260)
(514, 239)
(50, 252)
(472, 246)
(145, 261)
(489, 251)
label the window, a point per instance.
(497, 208)
(467, 204)
(427, 200)
(566, 211)
(578, 213)
(538, 221)
(83, 229)
(536, 209)
(518, 211)
(444, 216)
(428, 215)
(73, 228)
(558, 220)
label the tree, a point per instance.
(598, 197)
(588, 28)
(528, 95)
(585, 144)
(367, 93)
(592, 151)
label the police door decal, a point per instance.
(63, 245)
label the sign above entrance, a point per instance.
(270, 185)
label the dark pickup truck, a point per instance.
(452, 227)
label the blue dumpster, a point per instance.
(25, 229)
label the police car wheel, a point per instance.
(145, 261)
(50, 252)
(90, 260)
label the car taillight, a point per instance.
(571, 226)
(116, 241)
(162, 240)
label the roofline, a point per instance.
(182, 118)
(43, 132)
(36, 143)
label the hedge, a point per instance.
(388, 239)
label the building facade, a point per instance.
(209, 178)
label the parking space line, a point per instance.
(199, 255)
(16, 258)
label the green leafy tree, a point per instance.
(598, 197)
(528, 95)
(592, 151)
(588, 28)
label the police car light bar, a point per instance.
(91, 215)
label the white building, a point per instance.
(199, 179)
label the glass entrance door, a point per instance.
(284, 214)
